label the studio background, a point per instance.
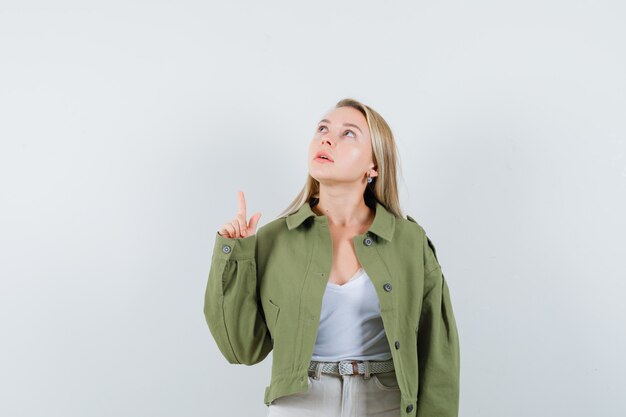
(127, 129)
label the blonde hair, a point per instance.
(384, 187)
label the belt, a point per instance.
(353, 367)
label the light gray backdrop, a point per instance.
(128, 127)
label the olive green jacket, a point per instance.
(264, 293)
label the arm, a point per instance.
(437, 344)
(231, 306)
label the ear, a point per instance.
(373, 173)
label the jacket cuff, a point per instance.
(234, 248)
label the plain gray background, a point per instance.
(128, 127)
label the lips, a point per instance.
(322, 153)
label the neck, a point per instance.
(344, 210)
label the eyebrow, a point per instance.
(345, 124)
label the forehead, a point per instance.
(345, 114)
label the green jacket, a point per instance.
(264, 293)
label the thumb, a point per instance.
(254, 220)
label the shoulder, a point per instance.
(272, 228)
(409, 226)
(408, 236)
(428, 247)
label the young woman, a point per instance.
(344, 289)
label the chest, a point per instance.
(345, 262)
(293, 273)
(293, 270)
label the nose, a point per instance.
(327, 140)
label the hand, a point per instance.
(238, 227)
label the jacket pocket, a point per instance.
(271, 316)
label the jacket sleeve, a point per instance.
(231, 306)
(437, 344)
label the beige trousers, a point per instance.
(342, 396)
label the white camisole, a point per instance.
(351, 327)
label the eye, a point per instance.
(323, 127)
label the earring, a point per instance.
(369, 179)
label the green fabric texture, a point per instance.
(264, 294)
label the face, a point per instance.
(343, 134)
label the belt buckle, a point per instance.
(347, 365)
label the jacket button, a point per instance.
(397, 344)
(368, 241)
(387, 287)
(409, 408)
(226, 249)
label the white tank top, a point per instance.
(351, 327)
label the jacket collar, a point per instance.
(383, 224)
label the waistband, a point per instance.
(348, 367)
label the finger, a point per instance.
(241, 213)
(241, 226)
(254, 220)
(228, 230)
(235, 225)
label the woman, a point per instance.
(346, 291)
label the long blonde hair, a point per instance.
(384, 187)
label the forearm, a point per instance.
(231, 306)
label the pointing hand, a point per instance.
(239, 227)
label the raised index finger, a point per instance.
(242, 206)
